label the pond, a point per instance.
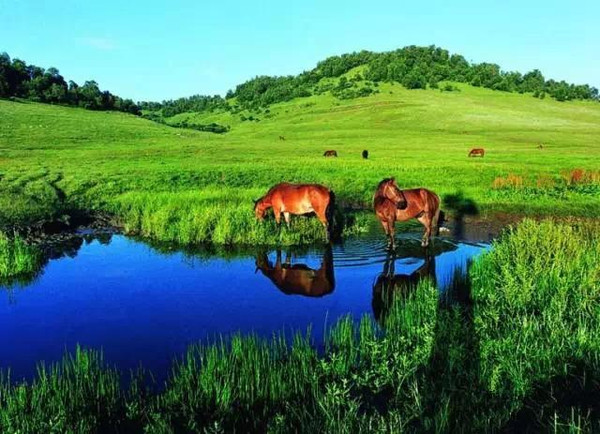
(144, 305)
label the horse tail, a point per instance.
(330, 211)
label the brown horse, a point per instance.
(477, 151)
(389, 284)
(299, 279)
(330, 153)
(392, 204)
(286, 199)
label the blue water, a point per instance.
(145, 307)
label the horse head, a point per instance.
(259, 208)
(389, 189)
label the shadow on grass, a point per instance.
(460, 207)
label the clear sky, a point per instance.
(154, 50)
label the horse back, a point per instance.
(418, 200)
(301, 196)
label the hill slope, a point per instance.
(55, 159)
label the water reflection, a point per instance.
(389, 285)
(299, 278)
(145, 305)
(56, 246)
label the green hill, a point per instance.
(184, 185)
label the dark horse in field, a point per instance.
(477, 151)
(298, 199)
(299, 279)
(392, 204)
(330, 153)
(365, 154)
(389, 284)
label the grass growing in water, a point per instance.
(16, 257)
(209, 217)
(527, 320)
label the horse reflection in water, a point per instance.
(299, 278)
(390, 285)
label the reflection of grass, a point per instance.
(532, 323)
(16, 257)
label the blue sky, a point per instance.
(154, 50)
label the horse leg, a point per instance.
(277, 213)
(321, 215)
(385, 228)
(286, 216)
(392, 234)
(435, 227)
(425, 221)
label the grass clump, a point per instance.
(536, 299)
(78, 394)
(16, 257)
(224, 216)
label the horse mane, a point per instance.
(384, 181)
(270, 191)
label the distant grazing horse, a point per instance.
(298, 199)
(392, 204)
(388, 284)
(541, 146)
(281, 138)
(299, 279)
(365, 154)
(330, 153)
(477, 151)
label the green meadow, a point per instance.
(174, 184)
(513, 346)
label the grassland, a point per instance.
(515, 346)
(188, 186)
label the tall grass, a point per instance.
(536, 297)
(16, 257)
(224, 216)
(491, 358)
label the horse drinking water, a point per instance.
(392, 204)
(286, 199)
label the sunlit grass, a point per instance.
(58, 160)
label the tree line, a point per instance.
(413, 67)
(20, 80)
(194, 103)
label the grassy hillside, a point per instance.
(188, 186)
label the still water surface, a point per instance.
(143, 305)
